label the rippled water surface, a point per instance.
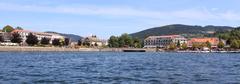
(124, 68)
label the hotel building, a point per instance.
(40, 35)
(163, 41)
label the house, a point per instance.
(6, 36)
(214, 41)
(163, 41)
(6, 39)
(94, 41)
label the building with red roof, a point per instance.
(214, 41)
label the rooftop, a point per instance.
(16, 30)
(94, 38)
(38, 33)
(164, 36)
(202, 40)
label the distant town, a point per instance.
(224, 41)
(10, 36)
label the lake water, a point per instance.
(123, 68)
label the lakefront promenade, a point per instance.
(62, 49)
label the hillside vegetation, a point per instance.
(188, 30)
(232, 37)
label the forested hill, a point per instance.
(180, 29)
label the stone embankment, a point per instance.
(59, 49)
(52, 49)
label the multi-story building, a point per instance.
(40, 35)
(22, 33)
(163, 41)
(214, 41)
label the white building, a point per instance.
(6, 36)
(93, 40)
(55, 36)
(6, 39)
(40, 35)
(163, 41)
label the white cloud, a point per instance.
(190, 14)
(229, 15)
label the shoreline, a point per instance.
(62, 49)
(208, 51)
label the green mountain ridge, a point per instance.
(180, 29)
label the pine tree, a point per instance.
(172, 46)
(234, 44)
(1, 39)
(209, 45)
(178, 44)
(66, 41)
(16, 38)
(221, 44)
(19, 28)
(95, 44)
(184, 46)
(113, 42)
(8, 28)
(80, 42)
(56, 42)
(32, 40)
(45, 41)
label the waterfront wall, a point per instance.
(42, 49)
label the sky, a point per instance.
(114, 17)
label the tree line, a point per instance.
(87, 43)
(124, 40)
(195, 46)
(32, 39)
(232, 38)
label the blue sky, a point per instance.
(114, 17)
